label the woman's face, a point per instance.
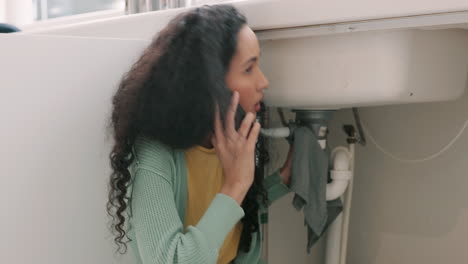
(244, 74)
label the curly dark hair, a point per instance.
(171, 89)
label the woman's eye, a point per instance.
(249, 69)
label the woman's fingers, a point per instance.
(252, 139)
(219, 133)
(230, 116)
(246, 124)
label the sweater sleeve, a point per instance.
(275, 187)
(159, 229)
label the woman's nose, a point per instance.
(263, 82)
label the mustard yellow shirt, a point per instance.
(204, 180)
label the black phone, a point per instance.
(240, 115)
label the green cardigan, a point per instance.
(158, 196)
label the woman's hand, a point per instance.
(285, 171)
(236, 150)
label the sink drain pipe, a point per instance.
(341, 173)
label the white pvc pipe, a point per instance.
(347, 210)
(281, 132)
(332, 249)
(340, 173)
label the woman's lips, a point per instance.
(258, 107)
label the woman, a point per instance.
(184, 159)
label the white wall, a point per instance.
(18, 12)
(54, 149)
(2, 10)
(411, 213)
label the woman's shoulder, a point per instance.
(153, 155)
